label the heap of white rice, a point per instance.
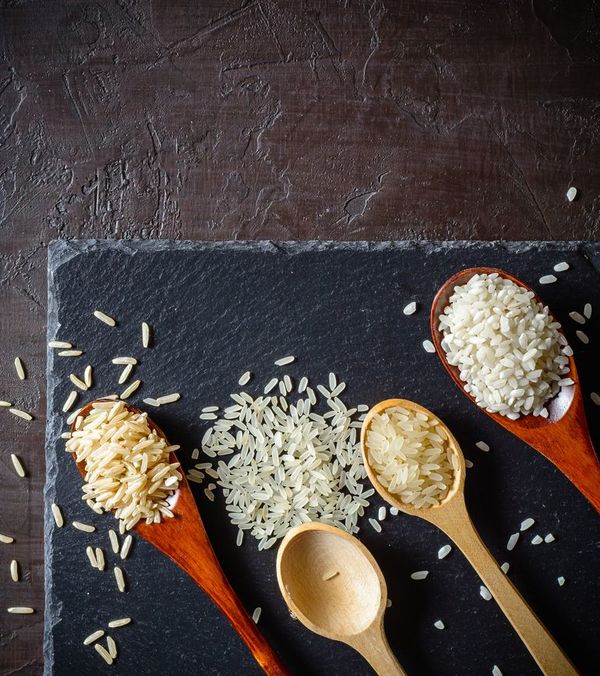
(410, 453)
(505, 345)
(127, 468)
(288, 463)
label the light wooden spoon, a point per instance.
(183, 538)
(563, 437)
(347, 607)
(451, 516)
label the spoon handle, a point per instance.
(373, 646)
(456, 523)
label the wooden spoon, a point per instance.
(347, 607)
(563, 437)
(451, 516)
(183, 538)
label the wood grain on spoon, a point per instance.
(452, 517)
(184, 539)
(333, 585)
(564, 436)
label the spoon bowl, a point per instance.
(563, 437)
(451, 516)
(184, 539)
(333, 585)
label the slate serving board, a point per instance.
(219, 309)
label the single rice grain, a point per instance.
(20, 369)
(57, 514)
(103, 317)
(18, 465)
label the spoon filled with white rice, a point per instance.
(417, 466)
(504, 349)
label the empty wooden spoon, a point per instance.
(183, 538)
(451, 516)
(563, 437)
(334, 586)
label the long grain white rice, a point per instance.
(20, 369)
(5, 404)
(168, 398)
(6, 539)
(583, 337)
(103, 317)
(18, 465)
(151, 402)
(283, 361)
(482, 446)
(419, 575)
(375, 525)
(410, 309)
(120, 578)
(587, 310)
(145, 334)
(14, 570)
(21, 414)
(125, 361)
(59, 344)
(70, 401)
(505, 345)
(57, 514)
(125, 373)
(89, 551)
(76, 380)
(563, 266)
(245, 378)
(548, 279)
(104, 654)
(100, 560)
(126, 463)
(527, 523)
(256, 615)
(577, 317)
(239, 538)
(112, 646)
(20, 610)
(120, 622)
(85, 527)
(70, 353)
(208, 416)
(88, 375)
(411, 455)
(126, 546)
(128, 391)
(114, 541)
(381, 513)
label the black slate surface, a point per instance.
(219, 309)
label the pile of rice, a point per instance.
(410, 453)
(288, 464)
(127, 468)
(505, 345)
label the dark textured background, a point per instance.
(220, 309)
(223, 120)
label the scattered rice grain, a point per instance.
(103, 317)
(20, 368)
(18, 465)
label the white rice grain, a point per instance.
(375, 525)
(6, 539)
(571, 193)
(283, 361)
(126, 547)
(410, 309)
(438, 624)
(482, 446)
(245, 378)
(94, 636)
(114, 541)
(484, 592)
(128, 391)
(496, 671)
(512, 541)
(504, 567)
(20, 610)
(168, 398)
(527, 523)
(59, 344)
(89, 551)
(120, 578)
(14, 570)
(21, 414)
(70, 401)
(125, 373)
(125, 361)
(577, 317)
(428, 346)
(381, 513)
(561, 580)
(419, 575)
(86, 528)
(145, 334)
(549, 538)
(583, 337)
(548, 279)
(5, 404)
(256, 615)
(70, 353)
(121, 622)
(76, 380)
(595, 397)
(112, 646)
(444, 551)
(536, 540)
(103, 317)
(20, 369)
(88, 375)
(100, 560)
(104, 654)
(57, 514)
(18, 465)
(563, 266)
(587, 310)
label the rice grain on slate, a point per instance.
(21, 414)
(419, 575)
(505, 345)
(70, 353)
(256, 615)
(101, 650)
(57, 514)
(19, 368)
(484, 592)
(145, 334)
(14, 570)
(168, 398)
(112, 646)
(86, 528)
(20, 610)
(100, 561)
(282, 463)
(70, 401)
(121, 622)
(410, 309)
(126, 463)
(120, 578)
(6, 539)
(124, 361)
(128, 391)
(103, 317)
(587, 310)
(59, 344)
(411, 455)
(126, 547)
(125, 373)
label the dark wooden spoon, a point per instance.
(183, 538)
(564, 436)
